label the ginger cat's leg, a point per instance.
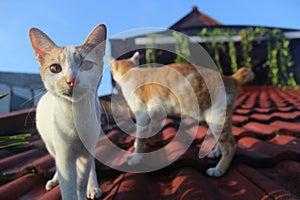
(215, 153)
(225, 147)
(142, 130)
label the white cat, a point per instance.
(68, 115)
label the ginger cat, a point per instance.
(180, 89)
(68, 115)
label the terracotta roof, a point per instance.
(195, 19)
(266, 163)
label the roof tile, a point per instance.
(269, 188)
(16, 162)
(266, 163)
(24, 186)
(286, 175)
(234, 185)
(261, 128)
(290, 126)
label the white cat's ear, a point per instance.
(41, 43)
(135, 58)
(95, 41)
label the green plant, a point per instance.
(181, 48)
(14, 140)
(215, 46)
(151, 50)
(247, 36)
(3, 95)
(278, 59)
(231, 50)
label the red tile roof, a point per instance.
(194, 19)
(266, 163)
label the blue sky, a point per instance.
(69, 22)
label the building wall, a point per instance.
(24, 91)
(5, 102)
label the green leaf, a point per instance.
(10, 141)
(15, 137)
(3, 95)
(13, 144)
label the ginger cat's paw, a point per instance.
(214, 153)
(214, 172)
(134, 159)
(94, 193)
(51, 184)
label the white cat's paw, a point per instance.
(51, 184)
(134, 159)
(214, 153)
(214, 172)
(94, 193)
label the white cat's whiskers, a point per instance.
(27, 116)
(43, 90)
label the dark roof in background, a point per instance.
(191, 25)
(26, 80)
(195, 19)
(266, 163)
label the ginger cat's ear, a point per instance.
(41, 44)
(111, 63)
(110, 60)
(95, 41)
(135, 58)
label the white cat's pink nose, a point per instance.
(71, 82)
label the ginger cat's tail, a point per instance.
(243, 75)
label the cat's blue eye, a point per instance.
(55, 68)
(86, 65)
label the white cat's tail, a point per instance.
(243, 75)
